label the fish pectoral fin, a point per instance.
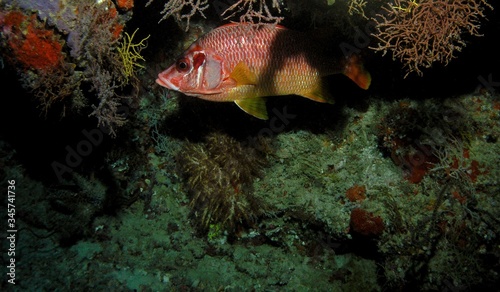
(318, 94)
(242, 75)
(254, 106)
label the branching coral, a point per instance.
(54, 85)
(260, 13)
(107, 111)
(94, 42)
(183, 10)
(251, 11)
(219, 175)
(419, 33)
(357, 7)
(130, 54)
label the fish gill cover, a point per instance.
(116, 181)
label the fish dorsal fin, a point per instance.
(255, 106)
(242, 75)
(318, 93)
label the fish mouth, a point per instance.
(166, 83)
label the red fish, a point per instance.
(244, 64)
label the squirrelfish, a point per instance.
(244, 64)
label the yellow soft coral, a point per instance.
(130, 54)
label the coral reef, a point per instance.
(219, 175)
(74, 61)
(391, 189)
(34, 46)
(431, 223)
(38, 51)
(419, 140)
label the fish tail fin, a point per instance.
(355, 70)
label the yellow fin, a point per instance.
(254, 106)
(242, 75)
(318, 94)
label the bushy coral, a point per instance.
(67, 51)
(38, 53)
(219, 174)
(130, 54)
(250, 11)
(420, 33)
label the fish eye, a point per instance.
(182, 65)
